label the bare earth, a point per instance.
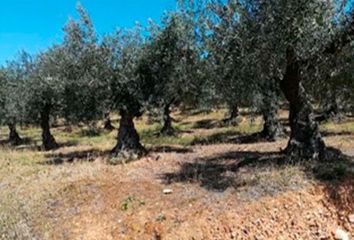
(196, 210)
(212, 196)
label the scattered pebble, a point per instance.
(167, 191)
(351, 218)
(341, 234)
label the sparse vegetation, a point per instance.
(255, 140)
(42, 190)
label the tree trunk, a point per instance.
(107, 122)
(272, 128)
(167, 128)
(305, 139)
(48, 140)
(14, 137)
(233, 114)
(128, 138)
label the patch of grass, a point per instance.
(347, 126)
(16, 219)
(151, 137)
(21, 157)
(268, 181)
(333, 171)
(161, 217)
(131, 202)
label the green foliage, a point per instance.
(171, 59)
(131, 202)
(13, 93)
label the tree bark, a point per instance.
(14, 137)
(128, 139)
(167, 128)
(233, 114)
(48, 140)
(272, 128)
(305, 140)
(107, 125)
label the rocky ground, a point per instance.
(217, 189)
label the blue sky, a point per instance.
(33, 25)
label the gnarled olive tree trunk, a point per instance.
(305, 139)
(48, 140)
(272, 128)
(14, 137)
(128, 139)
(233, 114)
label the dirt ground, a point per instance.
(196, 210)
(219, 190)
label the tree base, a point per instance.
(49, 143)
(167, 131)
(230, 122)
(128, 147)
(15, 139)
(273, 134)
(311, 150)
(108, 126)
(123, 156)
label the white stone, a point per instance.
(351, 218)
(167, 191)
(341, 234)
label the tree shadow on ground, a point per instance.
(91, 132)
(207, 124)
(24, 142)
(212, 172)
(233, 137)
(170, 149)
(337, 178)
(73, 157)
(333, 134)
(194, 112)
(156, 133)
(233, 169)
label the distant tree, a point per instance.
(229, 42)
(130, 90)
(13, 79)
(171, 60)
(294, 38)
(44, 89)
(285, 42)
(226, 46)
(334, 94)
(83, 72)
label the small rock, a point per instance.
(323, 237)
(351, 218)
(167, 191)
(341, 234)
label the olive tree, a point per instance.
(129, 88)
(229, 43)
(82, 70)
(170, 60)
(295, 37)
(12, 96)
(44, 90)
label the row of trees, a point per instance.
(207, 53)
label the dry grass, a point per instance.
(220, 188)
